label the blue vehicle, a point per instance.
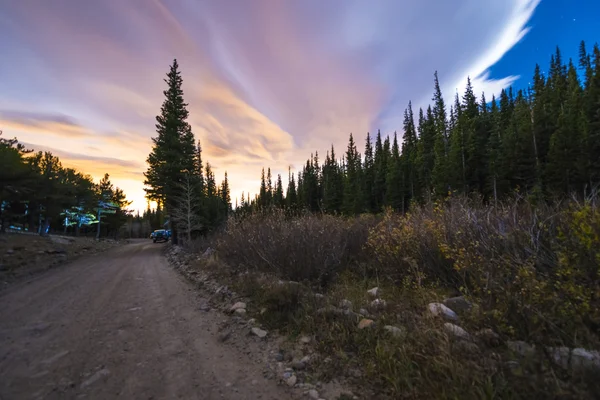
(160, 235)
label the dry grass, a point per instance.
(531, 272)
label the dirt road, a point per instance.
(120, 325)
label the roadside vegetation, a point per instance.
(463, 264)
(522, 282)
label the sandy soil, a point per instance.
(119, 325)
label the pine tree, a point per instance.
(409, 157)
(174, 151)
(269, 192)
(456, 164)
(441, 144)
(226, 194)
(369, 173)
(262, 196)
(395, 184)
(426, 152)
(493, 150)
(278, 199)
(381, 170)
(291, 197)
(353, 196)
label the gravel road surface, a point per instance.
(118, 325)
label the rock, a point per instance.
(10, 251)
(351, 314)
(305, 340)
(306, 359)
(330, 310)
(378, 304)
(578, 358)
(373, 292)
(346, 304)
(208, 252)
(456, 331)
(240, 311)
(291, 381)
(514, 368)
(319, 296)
(365, 323)
(395, 331)
(204, 307)
(298, 365)
(313, 394)
(223, 336)
(363, 311)
(458, 304)
(237, 306)
(279, 357)
(259, 332)
(251, 321)
(440, 310)
(465, 347)
(521, 348)
(489, 337)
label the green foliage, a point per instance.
(544, 141)
(38, 194)
(175, 158)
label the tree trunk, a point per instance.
(45, 227)
(174, 233)
(99, 220)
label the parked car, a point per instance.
(161, 235)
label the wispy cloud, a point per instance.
(41, 123)
(268, 82)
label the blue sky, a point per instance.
(560, 23)
(267, 81)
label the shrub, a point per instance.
(308, 248)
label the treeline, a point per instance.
(38, 194)
(176, 178)
(544, 141)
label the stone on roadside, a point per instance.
(578, 358)
(378, 304)
(458, 304)
(365, 323)
(251, 321)
(395, 331)
(259, 332)
(489, 337)
(240, 311)
(520, 347)
(346, 304)
(456, 331)
(465, 347)
(440, 310)
(313, 394)
(298, 365)
(373, 292)
(237, 306)
(363, 311)
(305, 340)
(291, 381)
